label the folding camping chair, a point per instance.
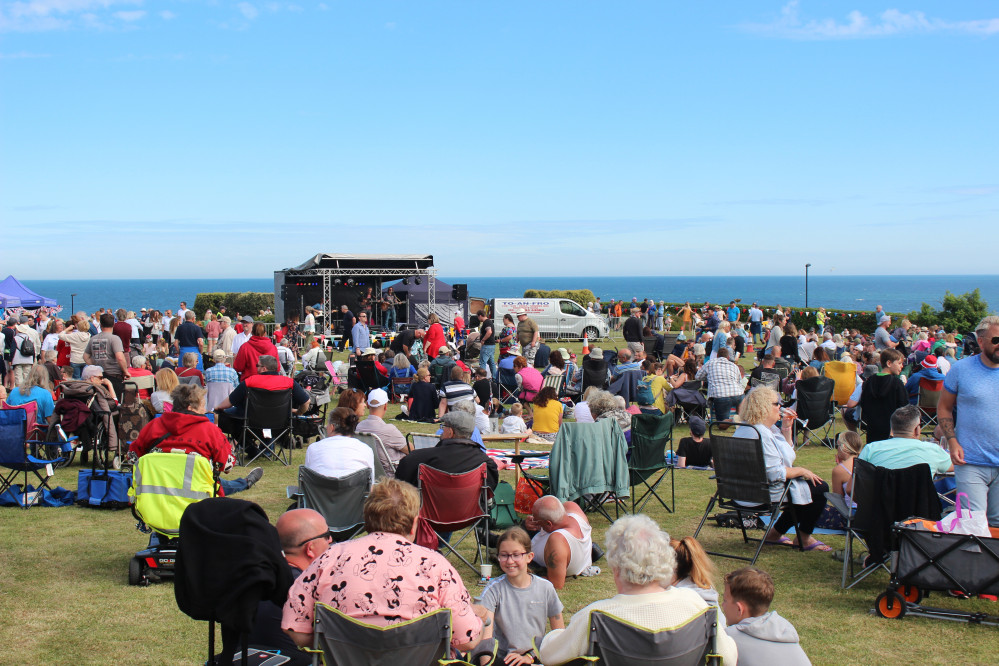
(14, 456)
(237, 533)
(767, 378)
(589, 465)
(345, 641)
(877, 492)
(626, 385)
(452, 502)
(557, 382)
(506, 386)
(400, 387)
(267, 426)
(844, 375)
(594, 373)
(339, 499)
(741, 476)
(650, 348)
(816, 411)
(418, 441)
(383, 464)
(617, 642)
(929, 397)
(689, 399)
(369, 377)
(647, 455)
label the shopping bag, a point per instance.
(525, 496)
(963, 521)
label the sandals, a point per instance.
(819, 546)
(783, 541)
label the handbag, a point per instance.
(964, 522)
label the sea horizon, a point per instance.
(897, 293)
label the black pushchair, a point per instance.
(88, 412)
(925, 560)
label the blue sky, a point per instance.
(211, 139)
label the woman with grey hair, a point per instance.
(642, 561)
(605, 405)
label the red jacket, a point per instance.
(192, 433)
(249, 352)
(434, 340)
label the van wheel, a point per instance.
(591, 333)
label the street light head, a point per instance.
(808, 265)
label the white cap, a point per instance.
(377, 397)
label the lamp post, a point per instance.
(807, 266)
(72, 308)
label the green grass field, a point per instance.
(65, 596)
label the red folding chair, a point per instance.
(930, 391)
(453, 502)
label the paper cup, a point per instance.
(486, 571)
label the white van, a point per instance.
(556, 317)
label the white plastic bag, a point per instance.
(964, 522)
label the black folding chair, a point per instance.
(594, 373)
(368, 376)
(743, 487)
(816, 411)
(267, 426)
(651, 434)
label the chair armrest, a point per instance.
(293, 492)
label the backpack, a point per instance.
(645, 395)
(27, 347)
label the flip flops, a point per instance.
(783, 541)
(819, 546)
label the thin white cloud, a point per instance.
(857, 25)
(45, 15)
(130, 16)
(247, 10)
(167, 15)
(323, 6)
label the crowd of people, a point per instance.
(385, 577)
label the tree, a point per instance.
(961, 313)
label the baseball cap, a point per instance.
(697, 426)
(218, 356)
(444, 350)
(247, 319)
(378, 397)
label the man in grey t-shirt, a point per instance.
(882, 340)
(105, 349)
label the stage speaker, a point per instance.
(459, 292)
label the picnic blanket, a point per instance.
(504, 458)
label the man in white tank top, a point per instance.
(564, 544)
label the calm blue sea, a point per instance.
(902, 293)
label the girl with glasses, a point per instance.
(518, 604)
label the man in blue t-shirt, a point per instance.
(969, 417)
(733, 313)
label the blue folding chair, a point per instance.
(14, 457)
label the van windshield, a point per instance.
(572, 308)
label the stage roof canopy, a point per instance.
(366, 261)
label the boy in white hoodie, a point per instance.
(764, 638)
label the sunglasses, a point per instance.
(995, 340)
(328, 535)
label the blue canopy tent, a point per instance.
(29, 299)
(8, 301)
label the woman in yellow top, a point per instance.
(547, 414)
(658, 384)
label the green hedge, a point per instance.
(581, 296)
(249, 302)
